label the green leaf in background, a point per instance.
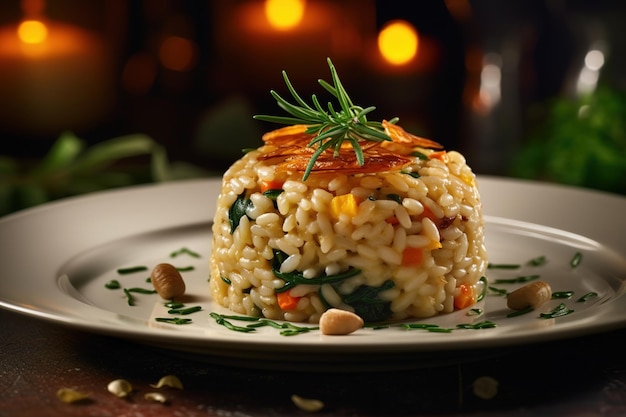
(72, 168)
(580, 142)
(63, 153)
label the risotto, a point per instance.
(393, 233)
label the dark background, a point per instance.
(202, 115)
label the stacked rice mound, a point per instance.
(400, 236)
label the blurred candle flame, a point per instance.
(32, 32)
(398, 42)
(284, 14)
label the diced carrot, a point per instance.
(465, 298)
(271, 185)
(286, 301)
(429, 213)
(392, 220)
(344, 204)
(412, 256)
(441, 155)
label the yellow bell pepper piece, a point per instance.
(346, 204)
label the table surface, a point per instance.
(575, 377)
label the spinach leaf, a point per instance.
(368, 305)
(238, 210)
(296, 277)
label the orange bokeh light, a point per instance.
(32, 32)
(177, 53)
(398, 42)
(284, 14)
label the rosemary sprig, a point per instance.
(332, 128)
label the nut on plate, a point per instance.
(167, 281)
(335, 321)
(531, 295)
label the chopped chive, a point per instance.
(185, 268)
(129, 297)
(483, 292)
(185, 251)
(516, 280)
(113, 284)
(132, 269)
(221, 320)
(424, 326)
(498, 291)
(173, 320)
(576, 259)
(226, 280)
(474, 312)
(184, 311)
(502, 266)
(476, 326)
(287, 329)
(562, 294)
(586, 297)
(241, 318)
(558, 311)
(141, 290)
(438, 330)
(538, 261)
(174, 305)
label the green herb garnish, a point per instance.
(516, 280)
(186, 251)
(174, 305)
(132, 270)
(502, 266)
(558, 311)
(420, 155)
(413, 174)
(562, 294)
(222, 321)
(113, 284)
(129, 297)
(237, 210)
(474, 312)
(286, 329)
(142, 290)
(332, 127)
(482, 294)
(498, 291)
(184, 311)
(586, 297)
(576, 260)
(173, 320)
(395, 197)
(538, 261)
(486, 324)
(296, 277)
(368, 305)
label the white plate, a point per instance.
(57, 258)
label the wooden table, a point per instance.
(576, 377)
